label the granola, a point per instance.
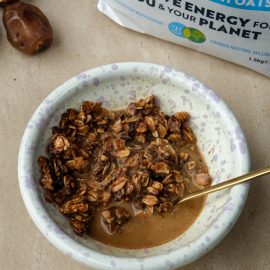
(99, 158)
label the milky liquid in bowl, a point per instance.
(151, 230)
(219, 137)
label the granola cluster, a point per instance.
(98, 158)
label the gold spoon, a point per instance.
(223, 185)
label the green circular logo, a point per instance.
(194, 35)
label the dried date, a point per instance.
(27, 28)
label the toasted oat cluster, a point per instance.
(98, 158)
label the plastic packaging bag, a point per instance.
(234, 30)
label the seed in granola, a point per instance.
(182, 116)
(122, 153)
(114, 218)
(187, 132)
(106, 196)
(129, 188)
(83, 217)
(155, 134)
(140, 139)
(93, 196)
(84, 153)
(104, 158)
(88, 118)
(175, 137)
(107, 180)
(83, 130)
(81, 116)
(100, 130)
(177, 176)
(149, 104)
(162, 132)
(119, 183)
(151, 152)
(43, 163)
(190, 166)
(72, 114)
(160, 168)
(133, 161)
(168, 180)
(150, 200)
(119, 195)
(140, 104)
(97, 196)
(134, 118)
(71, 131)
(102, 167)
(47, 182)
(107, 145)
(145, 178)
(119, 144)
(77, 164)
(157, 185)
(136, 180)
(150, 209)
(164, 207)
(183, 157)
(137, 206)
(174, 125)
(75, 205)
(131, 109)
(142, 128)
(161, 118)
(152, 191)
(60, 144)
(78, 227)
(87, 107)
(151, 125)
(78, 123)
(117, 127)
(102, 122)
(176, 188)
(69, 182)
(203, 179)
(167, 152)
(92, 137)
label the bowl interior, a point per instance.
(219, 136)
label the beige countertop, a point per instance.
(84, 38)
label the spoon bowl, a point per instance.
(227, 184)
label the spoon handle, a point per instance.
(226, 184)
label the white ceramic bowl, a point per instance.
(219, 135)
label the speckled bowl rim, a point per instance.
(101, 261)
